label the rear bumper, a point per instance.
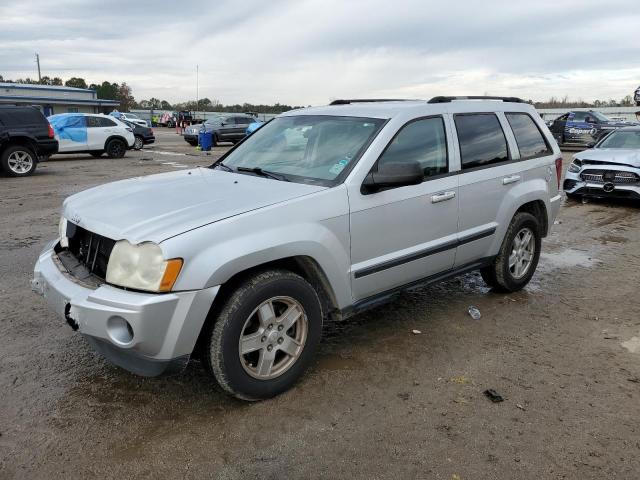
(47, 147)
(144, 333)
(148, 140)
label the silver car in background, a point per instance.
(610, 169)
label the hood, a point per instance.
(158, 207)
(612, 155)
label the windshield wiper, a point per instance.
(263, 173)
(225, 167)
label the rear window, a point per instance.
(529, 138)
(21, 116)
(482, 141)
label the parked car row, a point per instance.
(27, 137)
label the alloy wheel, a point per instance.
(20, 162)
(273, 338)
(522, 251)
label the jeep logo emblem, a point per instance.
(75, 218)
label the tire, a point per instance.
(138, 143)
(242, 375)
(116, 148)
(214, 140)
(193, 144)
(502, 274)
(96, 154)
(18, 161)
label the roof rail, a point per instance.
(475, 97)
(366, 100)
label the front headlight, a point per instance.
(142, 267)
(575, 166)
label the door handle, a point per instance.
(442, 197)
(510, 179)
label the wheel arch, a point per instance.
(23, 141)
(305, 266)
(538, 209)
(116, 137)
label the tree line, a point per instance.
(123, 94)
(565, 102)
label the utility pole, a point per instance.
(38, 62)
(197, 98)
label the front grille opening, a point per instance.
(617, 177)
(91, 250)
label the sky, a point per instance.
(308, 52)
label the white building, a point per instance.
(50, 99)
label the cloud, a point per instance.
(309, 51)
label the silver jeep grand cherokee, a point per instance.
(320, 214)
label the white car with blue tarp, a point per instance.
(95, 134)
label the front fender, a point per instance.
(316, 227)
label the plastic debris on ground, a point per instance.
(416, 332)
(475, 313)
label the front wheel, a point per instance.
(518, 257)
(265, 335)
(18, 161)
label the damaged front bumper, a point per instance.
(575, 184)
(144, 333)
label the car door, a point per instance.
(70, 131)
(99, 128)
(557, 127)
(487, 174)
(404, 234)
(242, 123)
(226, 129)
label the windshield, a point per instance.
(621, 139)
(306, 148)
(600, 117)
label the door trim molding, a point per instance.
(363, 272)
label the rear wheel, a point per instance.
(265, 335)
(138, 143)
(116, 148)
(518, 258)
(18, 161)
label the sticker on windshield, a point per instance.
(338, 167)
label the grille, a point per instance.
(613, 176)
(90, 249)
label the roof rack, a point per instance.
(366, 100)
(475, 97)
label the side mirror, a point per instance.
(393, 175)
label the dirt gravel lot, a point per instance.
(379, 402)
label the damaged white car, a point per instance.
(610, 169)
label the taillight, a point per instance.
(51, 133)
(559, 170)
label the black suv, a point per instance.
(25, 138)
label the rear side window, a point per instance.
(423, 141)
(529, 138)
(105, 122)
(482, 141)
(21, 116)
(243, 120)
